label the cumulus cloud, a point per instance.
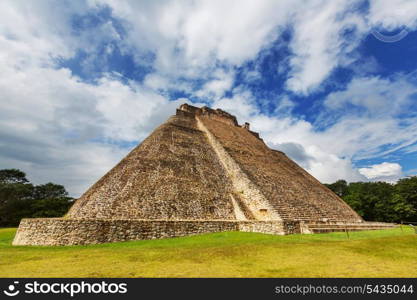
(194, 38)
(376, 94)
(327, 34)
(27, 37)
(297, 153)
(393, 14)
(60, 129)
(53, 125)
(219, 83)
(384, 171)
(189, 37)
(320, 44)
(371, 127)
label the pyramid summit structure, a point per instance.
(198, 172)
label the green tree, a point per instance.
(50, 200)
(340, 187)
(9, 176)
(50, 207)
(21, 199)
(13, 186)
(49, 190)
(14, 210)
(407, 189)
(377, 201)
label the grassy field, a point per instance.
(385, 253)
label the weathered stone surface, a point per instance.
(292, 192)
(174, 174)
(61, 231)
(198, 172)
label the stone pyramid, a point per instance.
(198, 172)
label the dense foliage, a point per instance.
(380, 201)
(21, 199)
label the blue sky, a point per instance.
(83, 82)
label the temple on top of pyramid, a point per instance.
(198, 172)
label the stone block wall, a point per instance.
(270, 227)
(62, 231)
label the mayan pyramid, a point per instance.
(198, 172)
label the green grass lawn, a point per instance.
(383, 253)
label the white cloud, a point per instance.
(59, 129)
(27, 37)
(219, 83)
(285, 106)
(319, 44)
(329, 167)
(375, 94)
(192, 38)
(241, 104)
(373, 128)
(384, 171)
(52, 125)
(392, 14)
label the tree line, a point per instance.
(380, 201)
(21, 199)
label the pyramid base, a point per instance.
(65, 231)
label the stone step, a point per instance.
(337, 227)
